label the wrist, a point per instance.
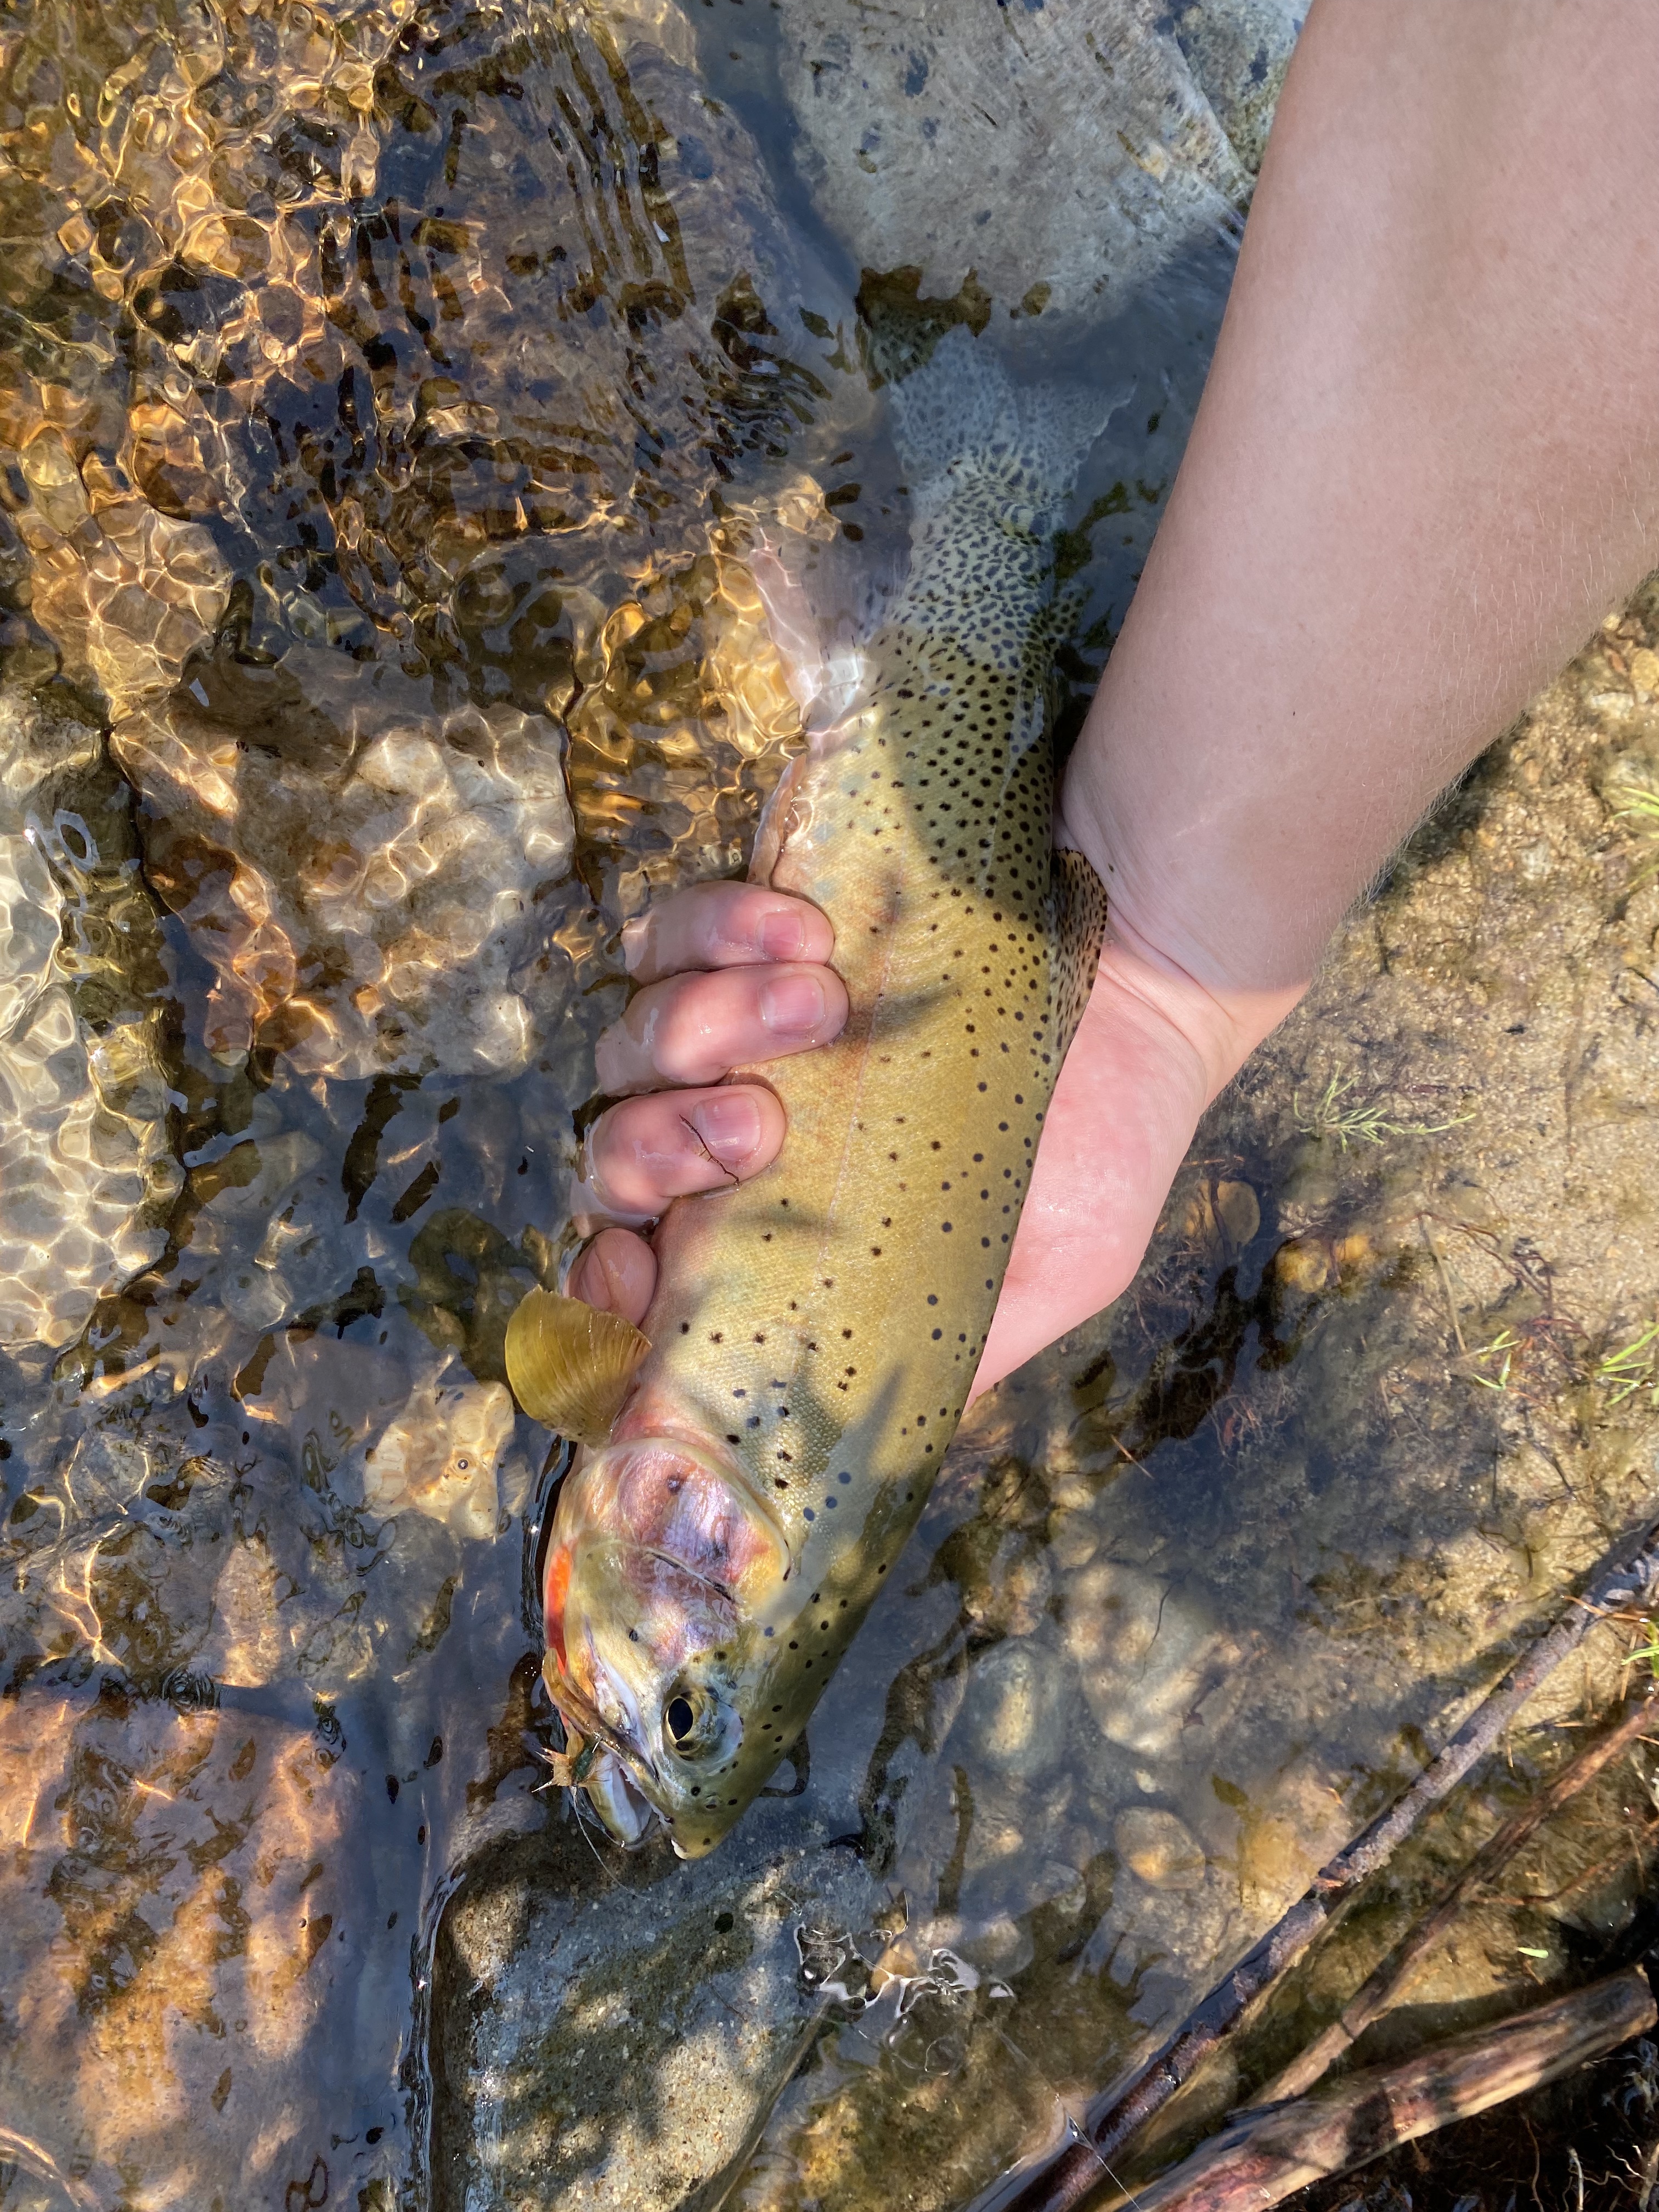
(1219, 1025)
(1212, 1021)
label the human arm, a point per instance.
(1425, 462)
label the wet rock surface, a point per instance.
(926, 128)
(667, 2009)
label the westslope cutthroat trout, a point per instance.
(815, 1332)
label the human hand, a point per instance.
(734, 974)
(1153, 1049)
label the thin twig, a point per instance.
(1445, 1284)
(1623, 1577)
(1384, 1983)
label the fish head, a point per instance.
(662, 1568)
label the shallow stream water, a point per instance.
(389, 397)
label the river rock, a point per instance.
(87, 1172)
(1145, 1655)
(924, 129)
(624, 2025)
(441, 1455)
(1158, 1848)
(362, 874)
(1013, 1717)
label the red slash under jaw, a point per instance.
(558, 1588)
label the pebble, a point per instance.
(1275, 1865)
(439, 1456)
(1146, 1658)
(1222, 1217)
(1011, 1717)
(1158, 1849)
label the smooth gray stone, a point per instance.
(610, 2030)
(1050, 153)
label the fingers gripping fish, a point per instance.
(815, 1331)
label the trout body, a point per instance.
(816, 1331)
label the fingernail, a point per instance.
(783, 936)
(730, 1126)
(792, 1005)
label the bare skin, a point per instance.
(1425, 463)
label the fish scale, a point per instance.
(816, 1330)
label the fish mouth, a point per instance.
(627, 1812)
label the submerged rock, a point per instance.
(374, 908)
(1030, 160)
(440, 1456)
(87, 1168)
(1145, 1655)
(1158, 1849)
(611, 2033)
(1010, 1718)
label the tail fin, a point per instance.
(961, 412)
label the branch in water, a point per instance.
(1378, 1992)
(1271, 2154)
(1627, 1577)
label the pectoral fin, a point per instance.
(570, 1364)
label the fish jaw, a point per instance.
(659, 1575)
(616, 1797)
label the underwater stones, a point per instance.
(1300, 1823)
(362, 876)
(254, 1214)
(1159, 1942)
(276, 487)
(1222, 1218)
(247, 1645)
(128, 593)
(440, 1456)
(992, 1928)
(1147, 1660)
(125, 591)
(1237, 52)
(925, 129)
(206, 1849)
(1012, 1716)
(1074, 1540)
(86, 1171)
(614, 2043)
(1158, 1848)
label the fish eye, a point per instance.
(696, 1724)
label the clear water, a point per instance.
(386, 392)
